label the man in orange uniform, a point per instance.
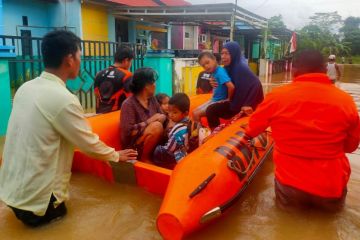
(313, 125)
(111, 85)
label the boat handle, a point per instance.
(202, 186)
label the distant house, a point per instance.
(111, 15)
(159, 24)
(96, 20)
(35, 18)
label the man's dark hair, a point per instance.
(122, 53)
(206, 54)
(309, 61)
(180, 101)
(58, 44)
(141, 78)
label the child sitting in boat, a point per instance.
(225, 88)
(163, 100)
(176, 147)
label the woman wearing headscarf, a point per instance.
(248, 89)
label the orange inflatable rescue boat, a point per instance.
(201, 187)
(209, 180)
(148, 176)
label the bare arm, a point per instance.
(213, 82)
(159, 117)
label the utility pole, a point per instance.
(65, 8)
(232, 24)
(266, 39)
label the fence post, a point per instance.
(263, 68)
(271, 65)
(5, 95)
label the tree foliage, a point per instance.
(351, 32)
(314, 37)
(276, 22)
(326, 32)
(323, 34)
(330, 21)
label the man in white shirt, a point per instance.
(45, 125)
(333, 70)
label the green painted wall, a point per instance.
(163, 66)
(5, 96)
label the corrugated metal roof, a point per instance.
(136, 3)
(192, 14)
(175, 2)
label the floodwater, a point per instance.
(99, 210)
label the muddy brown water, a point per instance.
(99, 210)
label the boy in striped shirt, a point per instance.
(176, 147)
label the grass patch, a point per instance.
(356, 59)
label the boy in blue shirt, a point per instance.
(176, 147)
(225, 88)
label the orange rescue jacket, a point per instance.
(111, 88)
(313, 124)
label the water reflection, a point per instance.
(98, 210)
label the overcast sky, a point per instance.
(295, 12)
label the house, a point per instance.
(90, 19)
